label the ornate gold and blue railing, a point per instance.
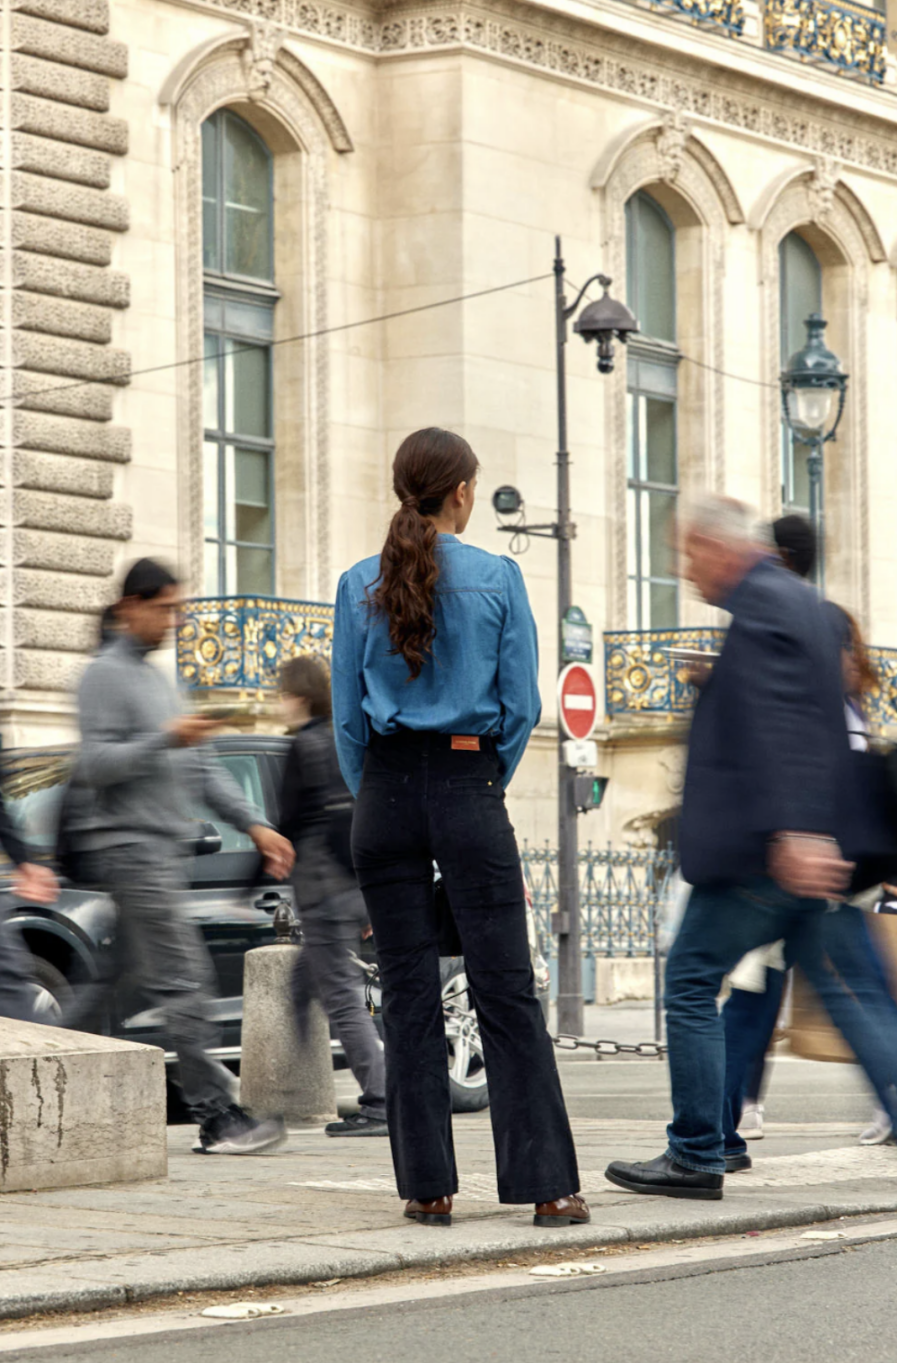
(641, 678)
(725, 14)
(846, 37)
(240, 642)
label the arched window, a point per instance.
(653, 473)
(239, 298)
(800, 293)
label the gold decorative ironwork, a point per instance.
(846, 36)
(240, 642)
(725, 14)
(640, 676)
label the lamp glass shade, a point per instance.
(812, 409)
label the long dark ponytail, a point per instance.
(428, 466)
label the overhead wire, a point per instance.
(285, 340)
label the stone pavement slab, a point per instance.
(319, 1208)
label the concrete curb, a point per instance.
(98, 1283)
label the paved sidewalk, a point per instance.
(320, 1209)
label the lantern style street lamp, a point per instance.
(814, 387)
(603, 322)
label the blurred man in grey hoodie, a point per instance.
(140, 756)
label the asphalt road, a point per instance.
(832, 1309)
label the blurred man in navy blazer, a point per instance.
(760, 837)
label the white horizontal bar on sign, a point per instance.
(579, 702)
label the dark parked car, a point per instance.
(230, 900)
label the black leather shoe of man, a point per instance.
(663, 1177)
(737, 1164)
(438, 1212)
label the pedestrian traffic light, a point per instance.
(588, 791)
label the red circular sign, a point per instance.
(577, 701)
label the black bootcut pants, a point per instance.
(422, 801)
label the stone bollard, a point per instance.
(281, 1072)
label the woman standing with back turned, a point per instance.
(435, 695)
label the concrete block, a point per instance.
(618, 978)
(63, 553)
(71, 515)
(78, 1109)
(75, 359)
(69, 279)
(66, 84)
(60, 159)
(59, 591)
(54, 630)
(90, 14)
(38, 669)
(81, 126)
(63, 473)
(68, 435)
(61, 317)
(55, 199)
(68, 46)
(55, 237)
(65, 396)
(281, 1072)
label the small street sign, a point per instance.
(581, 752)
(577, 701)
(576, 637)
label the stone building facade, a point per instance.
(271, 173)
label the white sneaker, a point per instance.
(750, 1128)
(879, 1131)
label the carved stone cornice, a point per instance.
(583, 52)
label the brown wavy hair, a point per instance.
(428, 466)
(866, 670)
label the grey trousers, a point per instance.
(167, 959)
(325, 970)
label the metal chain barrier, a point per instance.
(652, 1050)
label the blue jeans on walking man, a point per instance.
(721, 924)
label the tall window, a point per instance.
(653, 473)
(800, 285)
(239, 298)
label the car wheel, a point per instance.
(50, 991)
(467, 1070)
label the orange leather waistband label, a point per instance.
(465, 743)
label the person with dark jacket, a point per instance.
(762, 820)
(316, 815)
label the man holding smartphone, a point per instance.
(140, 755)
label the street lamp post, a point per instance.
(814, 387)
(603, 321)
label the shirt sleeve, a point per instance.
(518, 673)
(110, 751)
(350, 723)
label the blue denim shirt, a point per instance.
(482, 677)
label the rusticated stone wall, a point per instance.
(59, 520)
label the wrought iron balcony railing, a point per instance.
(846, 37)
(620, 891)
(640, 677)
(239, 642)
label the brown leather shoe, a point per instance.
(565, 1211)
(435, 1213)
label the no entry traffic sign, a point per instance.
(577, 701)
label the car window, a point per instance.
(243, 768)
(32, 793)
